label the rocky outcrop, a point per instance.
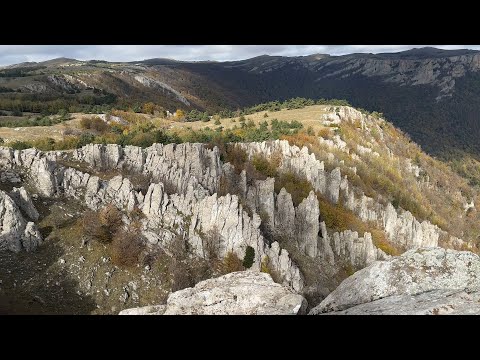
(416, 271)
(168, 216)
(239, 293)
(401, 226)
(15, 232)
(23, 200)
(157, 84)
(145, 310)
(307, 225)
(408, 231)
(261, 197)
(435, 302)
(182, 201)
(193, 213)
(181, 165)
(117, 191)
(349, 248)
(284, 220)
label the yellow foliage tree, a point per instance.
(179, 114)
(149, 108)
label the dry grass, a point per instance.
(308, 116)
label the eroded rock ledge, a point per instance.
(405, 284)
(239, 293)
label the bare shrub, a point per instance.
(297, 186)
(265, 166)
(136, 215)
(178, 267)
(127, 245)
(211, 243)
(102, 225)
(86, 123)
(93, 229)
(325, 133)
(177, 248)
(140, 182)
(181, 276)
(111, 217)
(235, 156)
(231, 263)
(95, 124)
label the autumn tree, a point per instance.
(149, 108)
(179, 114)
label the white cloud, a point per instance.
(11, 54)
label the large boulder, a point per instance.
(415, 272)
(145, 310)
(238, 293)
(15, 232)
(435, 302)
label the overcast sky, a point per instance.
(13, 54)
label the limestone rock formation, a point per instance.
(284, 214)
(435, 302)
(401, 226)
(416, 271)
(261, 197)
(350, 248)
(307, 225)
(24, 202)
(15, 232)
(31, 237)
(146, 310)
(182, 200)
(182, 165)
(239, 293)
(190, 213)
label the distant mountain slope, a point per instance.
(431, 94)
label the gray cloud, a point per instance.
(12, 54)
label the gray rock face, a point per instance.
(194, 172)
(401, 226)
(169, 214)
(239, 293)
(24, 202)
(307, 225)
(416, 271)
(191, 213)
(351, 248)
(146, 310)
(408, 231)
(334, 185)
(42, 171)
(435, 302)
(260, 197)
(31, 238)
(15, 232)
(182, 165)
(284, 214)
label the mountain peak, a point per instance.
(428, 52)
(58, 61)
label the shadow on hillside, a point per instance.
(33, 283)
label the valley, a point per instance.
(317, 184)
(331, 192)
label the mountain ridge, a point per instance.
(430, 93)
